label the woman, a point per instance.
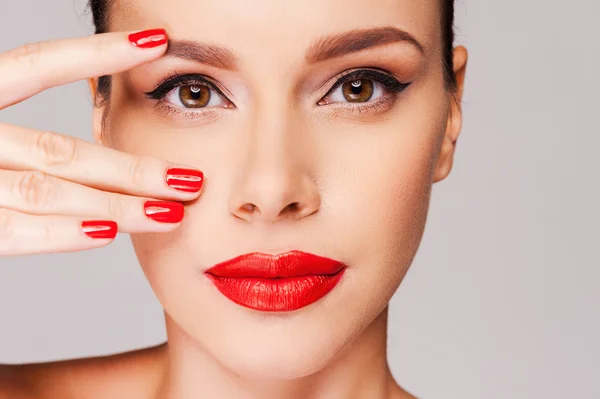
(273, 164)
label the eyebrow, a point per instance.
(325, 48)
(202, 53)
(357, 40)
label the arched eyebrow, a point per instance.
(357, 40)
(202, 53)
(325, 48)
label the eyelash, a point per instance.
(391, 84)
(176, 80)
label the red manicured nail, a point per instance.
(164, 211)
(188, 180)
(149, 38)
(99, 228)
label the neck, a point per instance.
(360, 371)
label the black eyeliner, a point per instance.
(390, 82)
(177, 81)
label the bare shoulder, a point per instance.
(135, 374)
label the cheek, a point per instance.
(379, 186)
(396, 210)
(382, 207)
(380, 216)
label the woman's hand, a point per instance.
(59, 193)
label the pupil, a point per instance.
(356, 87)
(195, 92)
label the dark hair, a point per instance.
(100, 11)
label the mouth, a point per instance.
(276, 283)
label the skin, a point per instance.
(362, 182)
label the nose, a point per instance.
(273, 180)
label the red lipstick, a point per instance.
(276, 283)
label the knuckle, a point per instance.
(140, 170)
(116, 207)
(33, 189)
(28, 54)
(56, 149)
(6, 227)
(103, 43)
(47, 232)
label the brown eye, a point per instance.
(194, 96)
(358, 90)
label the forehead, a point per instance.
(267, 26)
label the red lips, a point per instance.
(283, 282)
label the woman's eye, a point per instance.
(357, 91)
(363, 86)
(194, 96)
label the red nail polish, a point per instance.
(99, 228)
(187, 180)
(148, 38)
(164, 211)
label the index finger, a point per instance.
(34, 67)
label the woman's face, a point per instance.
(271, 129)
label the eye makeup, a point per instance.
(385, 78)
(178, 80)
(390, 88)
(382, 81)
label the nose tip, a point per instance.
(290, 198)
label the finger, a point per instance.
(107, 169)
(33, 67)
(39, 194)
(22, 234)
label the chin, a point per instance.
(278, 346)
(275, 357)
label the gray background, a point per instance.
(501, 300)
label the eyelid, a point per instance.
(177, 80)
(376, 74)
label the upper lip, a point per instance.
(288, 264)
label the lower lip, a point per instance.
(276, 294)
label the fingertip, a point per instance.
(149, 38)
(185, 180)
(100, 229)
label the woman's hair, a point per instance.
(100, 12)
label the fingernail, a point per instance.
(164, 211)
(99, 228)
(188, 180)
(148, 38)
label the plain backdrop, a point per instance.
(502, 298)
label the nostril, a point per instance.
(292, 209)
(249, 207)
